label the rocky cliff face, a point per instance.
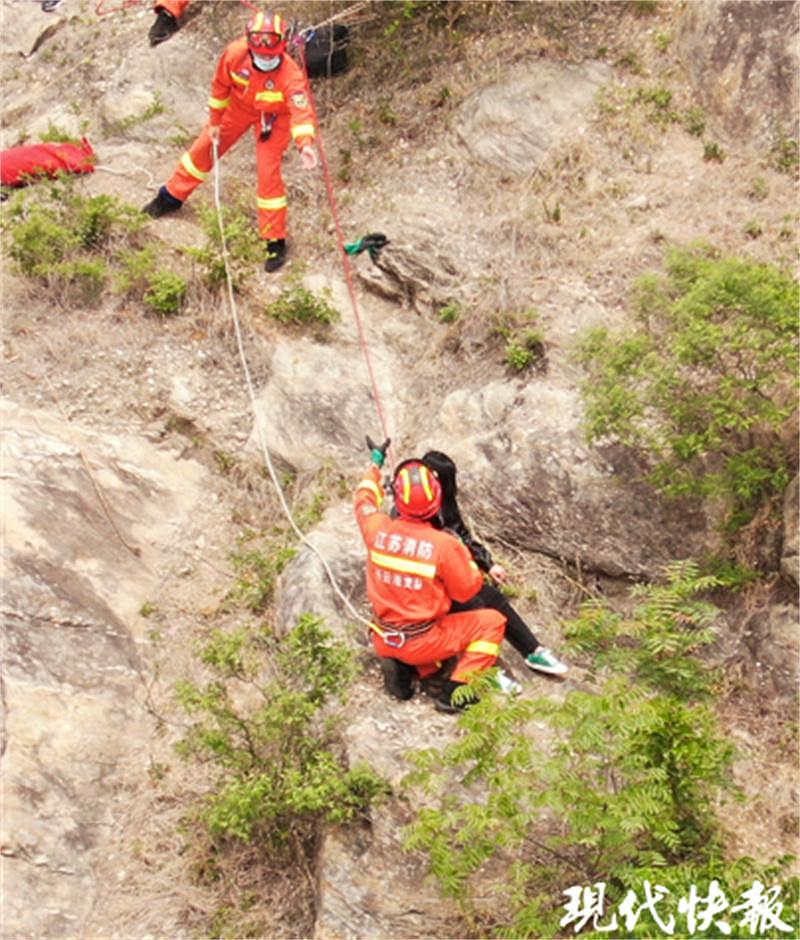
(116, 427)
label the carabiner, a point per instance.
(391, 638)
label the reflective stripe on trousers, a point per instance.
(196, 164)
(474, 636)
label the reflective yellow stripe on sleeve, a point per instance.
(218, 104)
(373, 487)
(279, 202)
(188, 164)
(406, 565)
(484, 646)
(302, 130)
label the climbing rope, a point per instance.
(347, 267)
(253, 404)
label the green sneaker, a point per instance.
(542, 660)
(506, 683)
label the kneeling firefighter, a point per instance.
(414, 572)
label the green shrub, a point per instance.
(279, 771)
(257, 570)
(713, 152)
(658, 101)
(68, 242)
(694, 120)
(161, 291)
(450, 313)
(245, 249)
(619, 789)
(297, 304)
(657, 641)
(55, 135)
(785, 155)
(525, 349)
(79, 281)
(39, 241)
(166, 293)
(703, 385)
(95, 218)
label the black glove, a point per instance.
(373, 243)
(378, 454)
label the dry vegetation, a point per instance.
(383, 124)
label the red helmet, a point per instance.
(266, 34)
(417, 491)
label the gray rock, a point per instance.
(419, 276)
(514, 124)
(521, 455)
(742, 59)
(79, 552)
(317, 405)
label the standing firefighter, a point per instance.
(414, 573)
(168, 19)
(256, 85)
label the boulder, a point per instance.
(522, 458)
(418, 276)
(317, 405)
(326, 578)
(85, 520)
(514, 124)
(742, 60)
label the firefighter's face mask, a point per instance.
(265, 63)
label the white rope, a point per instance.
(251, 392)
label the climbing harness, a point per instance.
(396, 636)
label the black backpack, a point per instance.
(326, 51)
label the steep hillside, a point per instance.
(523, 159)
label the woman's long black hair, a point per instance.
(445, 470)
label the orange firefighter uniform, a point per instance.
(414, 571)
(175, 7)
(276, 105)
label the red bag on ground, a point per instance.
(21, 165)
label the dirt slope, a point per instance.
(598, 213)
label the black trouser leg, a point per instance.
(518, 633)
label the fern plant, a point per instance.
(618, 788)
(657, 642)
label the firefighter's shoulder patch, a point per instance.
(299, 99)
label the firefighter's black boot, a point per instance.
(398, 678)
(163, 203)
(445, 703)
(165, 26)
(276, 254)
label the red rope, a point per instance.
(122, 6)
(132, 3)
(348, 270)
